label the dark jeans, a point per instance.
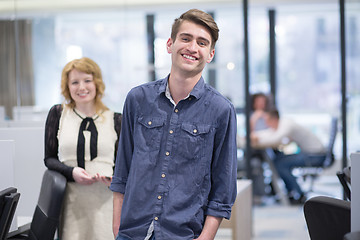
(285, 163)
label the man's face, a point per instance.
(271, 122)
(191, 49)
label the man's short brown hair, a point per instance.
(198, 17)
(273, 113)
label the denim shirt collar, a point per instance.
(196, 92)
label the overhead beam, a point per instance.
(7, 6)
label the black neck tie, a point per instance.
(86, 125)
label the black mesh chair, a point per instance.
(47, 212)
(312, 172)
(327, 218)
(344, 177)
(9, 199)
(352, 236)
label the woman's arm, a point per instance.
(51, 144)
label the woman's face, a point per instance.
(82, 87)
(260, 103)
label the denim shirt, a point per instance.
(175, 165)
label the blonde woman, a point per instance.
(81, 137)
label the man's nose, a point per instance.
(192, 45)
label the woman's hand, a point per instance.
(106, 180)
(82, 177)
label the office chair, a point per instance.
(352, 236)
(344, 177)
(46, 217)
(9, 199)
(327, 218)
(313, 172)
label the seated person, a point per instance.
(312, 152)
(259, 104)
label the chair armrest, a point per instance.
(19, 232)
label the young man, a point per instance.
(175, 174)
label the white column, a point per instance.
(355, 192)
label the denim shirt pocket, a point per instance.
(192, 147)
(150, 132)
(192, 140)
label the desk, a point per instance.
(241, 213)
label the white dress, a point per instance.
(87, 211)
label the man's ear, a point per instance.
(211, 55)
(169, 43)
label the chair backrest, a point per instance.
(327, 218)
(329, 151)
(47, 212)
(344, 177)
(9, 199)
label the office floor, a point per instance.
(273, 221)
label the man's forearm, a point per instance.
(117, 206)
(210, 228)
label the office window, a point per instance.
(115, 40)
(352, 36)
(307, 45)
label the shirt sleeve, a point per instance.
(51, 143)
(274, 138)
(125, 148)
(117, 126)
(224, 167)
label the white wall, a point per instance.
(7, 150)
(28, 166)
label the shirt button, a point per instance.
(156, 218)
(176, 110)
(163, 175)
(171, 131)
(195, 130)
(189, 98)
(159, 197)
(149, 122)
(167, 153)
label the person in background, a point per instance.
(81, 138)
(175, 174)
(259, 104)
(282, 131)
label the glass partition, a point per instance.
(37, 41)
(352, 36)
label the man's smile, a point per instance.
(189, 57)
